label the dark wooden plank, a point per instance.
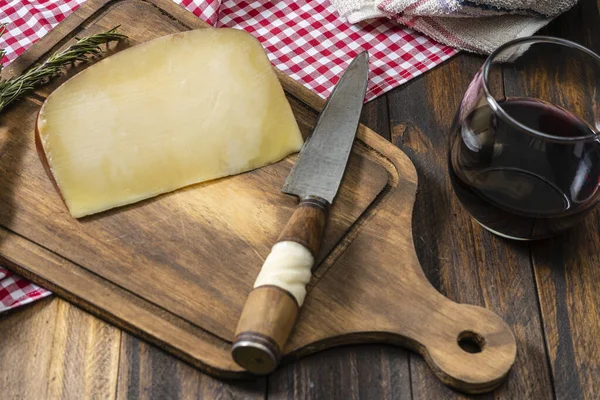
(147, 372)
(349, 372)
(53, 350)
(463, 261)
(375, 116)
(85, 355)
(567, 268)
(365, 371)
(26, 337)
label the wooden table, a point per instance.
(548, 292)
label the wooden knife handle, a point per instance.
(272, 306)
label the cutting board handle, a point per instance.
(271, 309)
(473, 351)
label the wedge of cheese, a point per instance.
(168, 113)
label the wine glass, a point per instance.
(524, 156)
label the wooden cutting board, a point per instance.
(176, 269)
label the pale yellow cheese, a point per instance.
(168, 113)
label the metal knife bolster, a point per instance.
(270, 312)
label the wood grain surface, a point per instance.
(58, 351)
(306, 225)
(548, 292)
(265, 325)
(567, 268)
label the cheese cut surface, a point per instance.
(162, 115)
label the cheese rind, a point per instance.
(172, 112)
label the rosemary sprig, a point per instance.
(86, 47)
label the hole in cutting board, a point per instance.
(471, 342)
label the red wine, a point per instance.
(518, 184)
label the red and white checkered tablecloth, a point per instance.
(16, 291)
(305, 39)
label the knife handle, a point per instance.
(279, 290)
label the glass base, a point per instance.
(502, 234)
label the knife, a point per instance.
(272, 307)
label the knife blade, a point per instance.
(322, 161)
(279, 290)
